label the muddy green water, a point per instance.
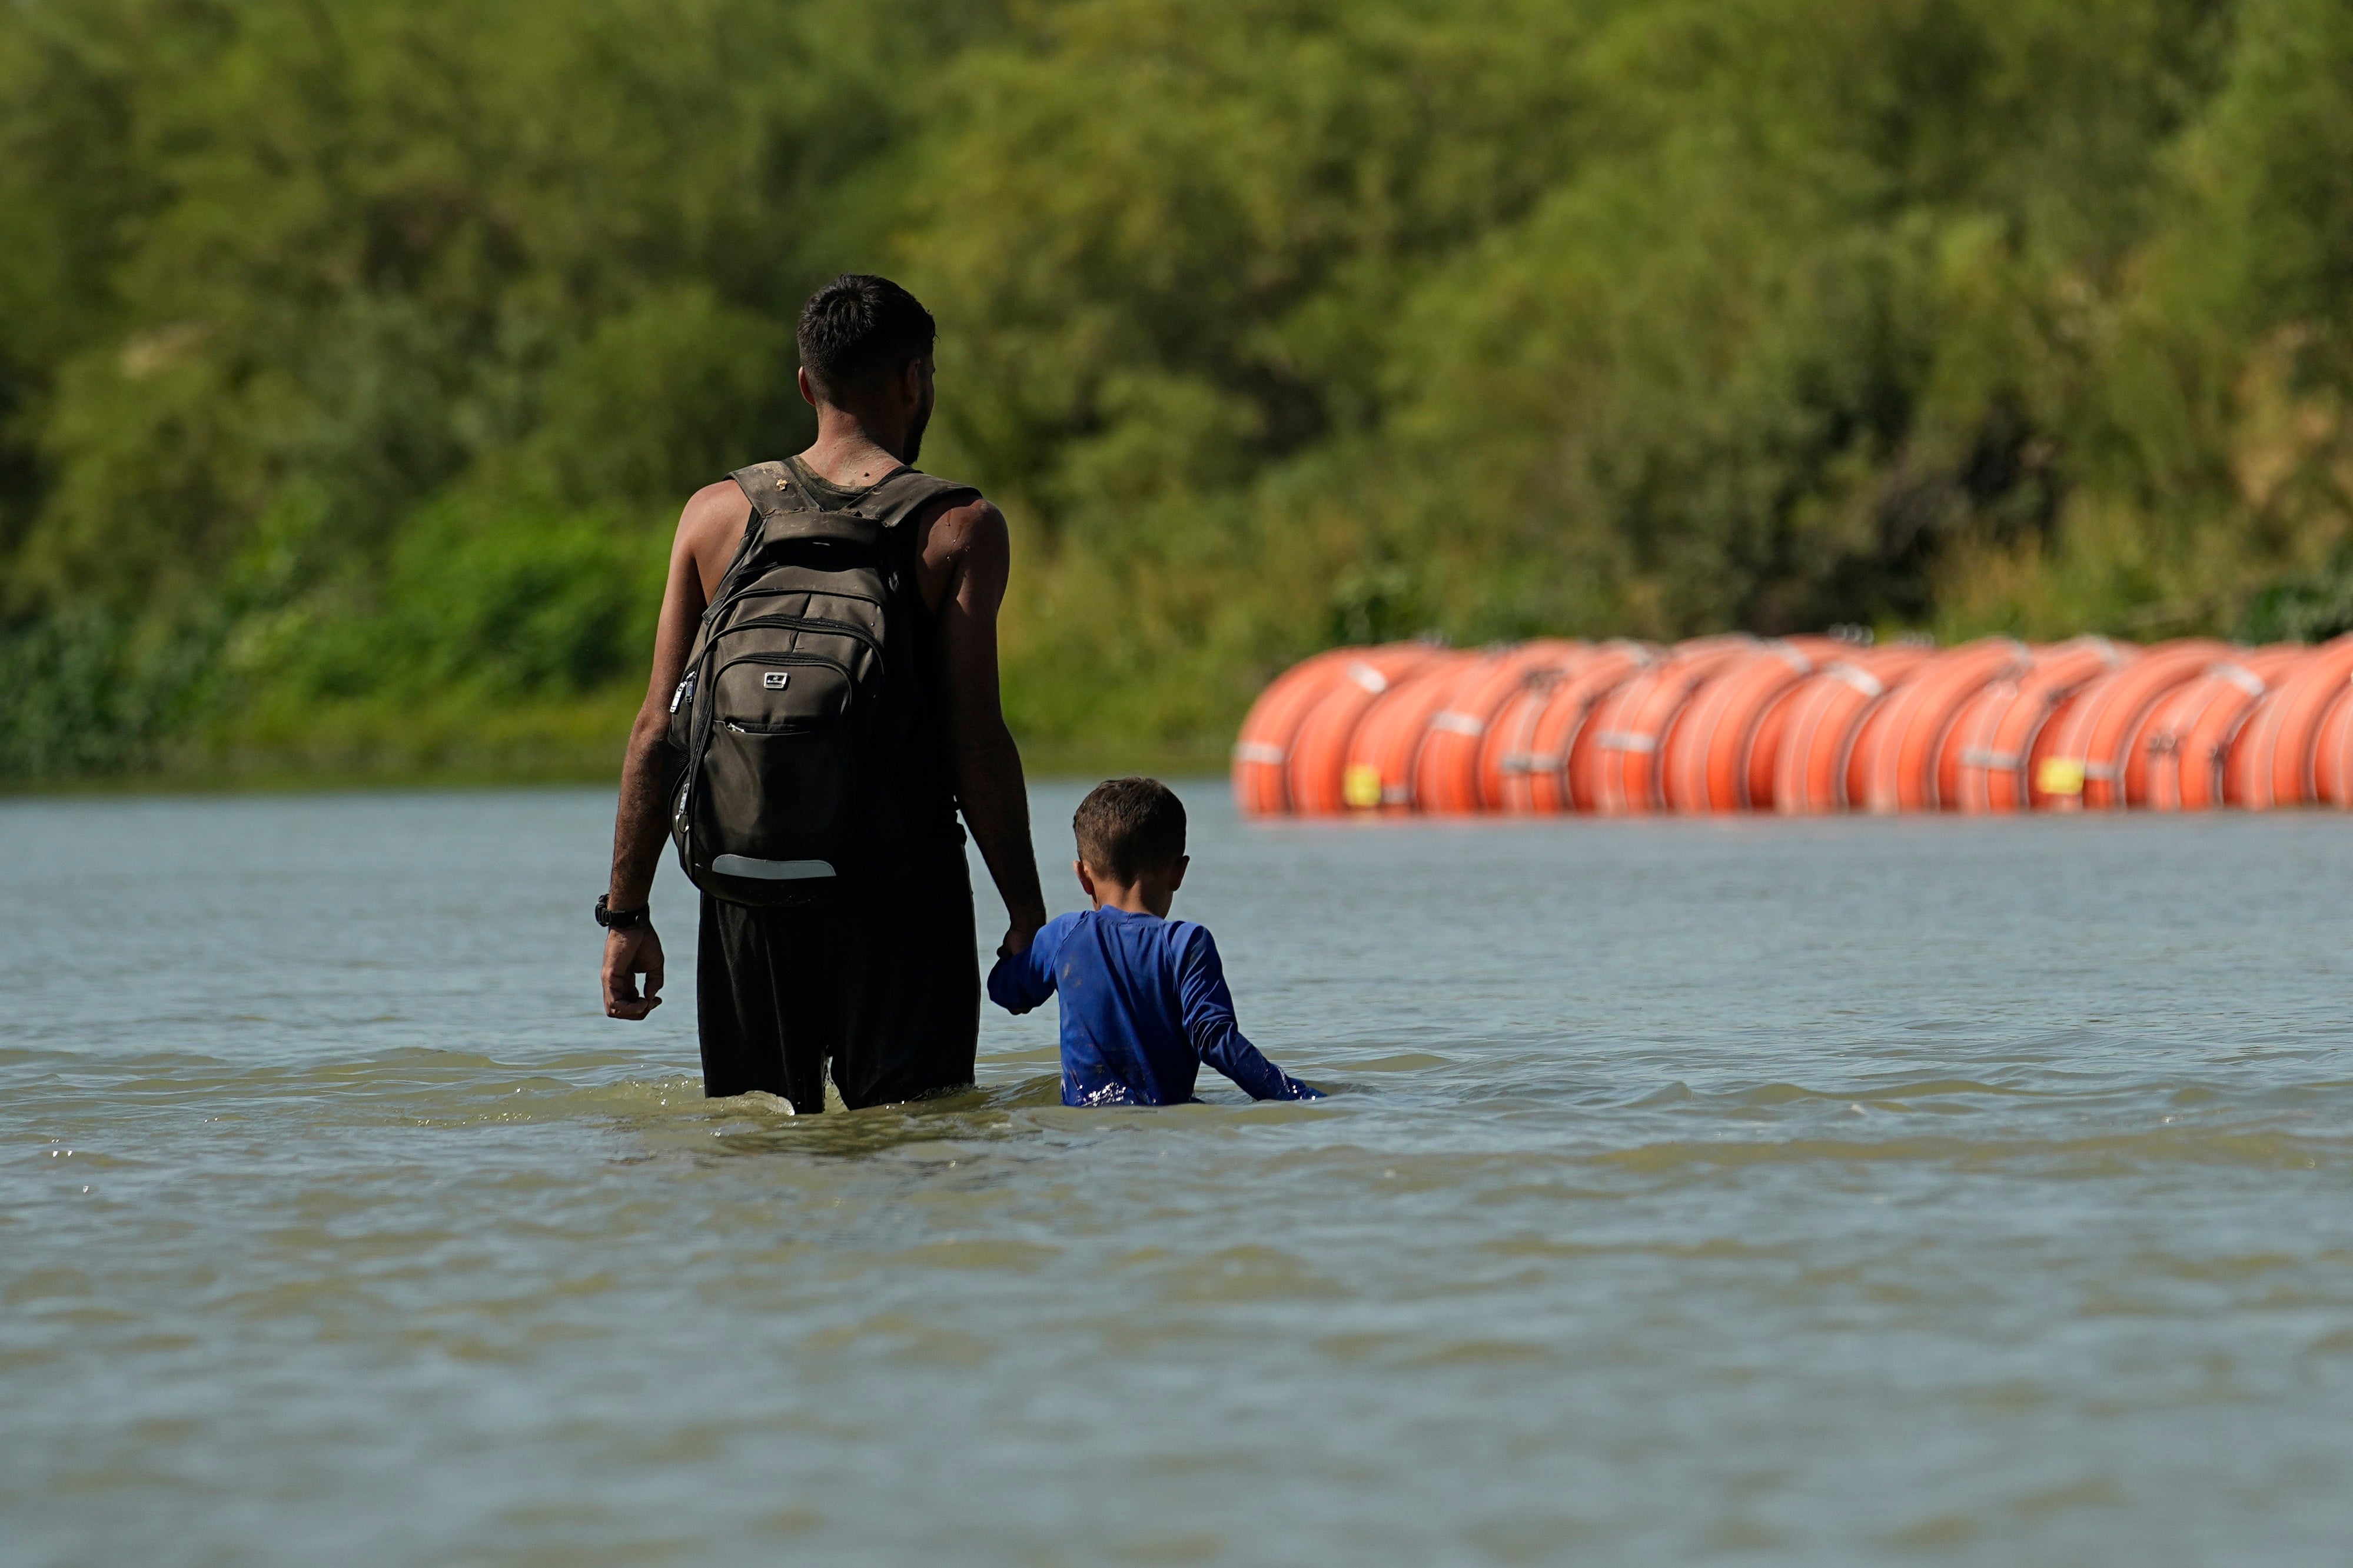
(1821, 1193)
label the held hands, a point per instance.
(628, 954)
(1017, 937)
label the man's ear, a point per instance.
(808, 392)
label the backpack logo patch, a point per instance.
(776, 679)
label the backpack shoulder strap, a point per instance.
(758, 484)
(772, 489)
(782, 509)
(907, 492)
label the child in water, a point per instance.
(1143, 997)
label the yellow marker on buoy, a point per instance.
(2060, 775)
(1361, 787)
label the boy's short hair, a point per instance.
(859, 331)
(1127, 826)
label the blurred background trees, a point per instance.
(355, 359)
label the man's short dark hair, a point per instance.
(1128, 826)
(859, 331)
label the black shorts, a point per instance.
(890, 993)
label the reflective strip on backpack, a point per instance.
(771, 870)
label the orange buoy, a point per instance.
(1764, 740)
(1820, 717)
(1985, 765)
(1706, 765)
(2083, 766)
(1262, 751)
(1504, 751)
(2332, 753)
(1978, 757)
(2271, 764)
(1531, 740)
(2175, 765)
(1317, 777)
(1613, 764)
(1897, 751)
(1800, 725)
(1447, 774)
(1387, 742)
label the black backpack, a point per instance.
(797, 732)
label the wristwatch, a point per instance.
(618, 919)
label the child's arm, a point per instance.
(1217, 1037)
(1021, 981)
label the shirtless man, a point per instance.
(890, 991)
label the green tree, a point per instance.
(355, 359)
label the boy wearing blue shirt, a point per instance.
(1143, 997)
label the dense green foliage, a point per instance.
(355, 359)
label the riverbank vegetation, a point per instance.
(355, 359)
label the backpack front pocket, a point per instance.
(779, 693)
(780, 771)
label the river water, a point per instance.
(1805, 1193)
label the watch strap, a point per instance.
(612, 918)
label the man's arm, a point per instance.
(707, 530)
(988, 783)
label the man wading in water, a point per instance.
(874, 966)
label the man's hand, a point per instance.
(1017, 937)
(628, 954)
(1009, 982)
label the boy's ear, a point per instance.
(1177, 872)
(1086, 881)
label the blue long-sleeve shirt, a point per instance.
(1144, 1003)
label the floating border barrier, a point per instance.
(1801, 726)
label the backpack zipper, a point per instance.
(727, 602)
(808, 623)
